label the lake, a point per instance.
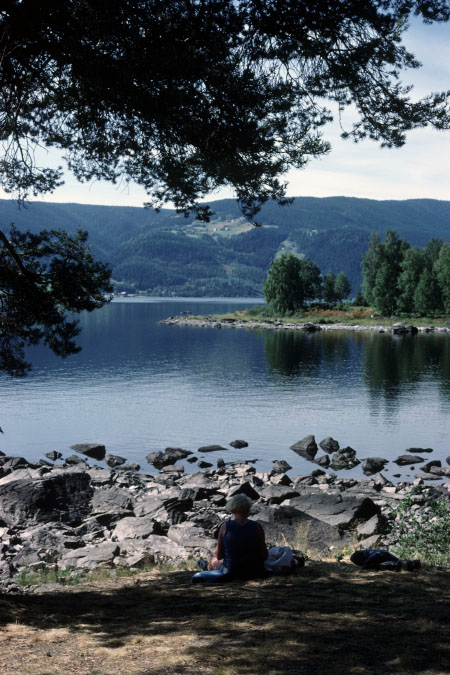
(138, 387)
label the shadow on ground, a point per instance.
(328, 618)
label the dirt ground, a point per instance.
(328, 618)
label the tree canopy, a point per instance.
(185, 96)
(42, 277)
(290, 282)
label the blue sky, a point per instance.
(420, 169)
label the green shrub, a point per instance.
(421, 529)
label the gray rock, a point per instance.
(403, 460)
(9, 463)
(192, 459)
(306, 448)
(92, 556)
(62, 498)
(372, 526)
(338, 509)
(162, 549)
(93, 450)
(276, 494)
(344, 459)
(133, 528)
(440, 470)
(280, 479)
(373, 465)
(427, 476)
(204, 465)
(280, 466)
(418, 451)
(114, 460)
(53, 455)
(192, 538)
(239, 444)
(173, 468)
(74, 460)
(210, 448)
(448, 459)
(323, 461)
(329, 445)
(245, 488)
(129, 466)
(169, 456)
(426, 467)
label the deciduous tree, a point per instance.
(290, 282)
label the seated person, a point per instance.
(241, 547)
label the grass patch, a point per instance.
(328, 618)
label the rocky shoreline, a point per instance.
(308, 326)
(76, 517)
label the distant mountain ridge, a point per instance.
(168, 254)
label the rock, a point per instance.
(329, 445)
(335, 508)
(426, 467)
(210, 448)
(93, 450)
(162, 549)
(192, 459)
(372, 526)
(297, 529)
(173, 468)
(440, 470)
(306, 448)
(169, 456)
(344, 459)
(205, 487)
(324, 461)
(448, 459)
(381, 481)
(419, 451)
(13, 463)
(114, 460)
(276, 494)
(53, 455)
(401, 329)
(280, 479)
(204, 465)
(403, 460)
(130, 466)
(220, 463)
(92, 556)
(62, 498)
(427, 476)
(133, 528)
(74, 460)
(239, 444)
(373, 465)
(280, 466)
(245, 489)
(309, 327)
(192, 538)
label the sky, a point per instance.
(420, 169)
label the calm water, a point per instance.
(139, 387)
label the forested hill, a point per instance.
(169, 254)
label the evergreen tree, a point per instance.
(290, 282)
(342, 288)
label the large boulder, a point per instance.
(192, 538)
(287, 525)
(276, 494)
(93, 450)
(61, 498)
(306, 448)
(239, 444)
(92, 556)
(280, 466)
(210, 448)
(335, 508)
(133, 528)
